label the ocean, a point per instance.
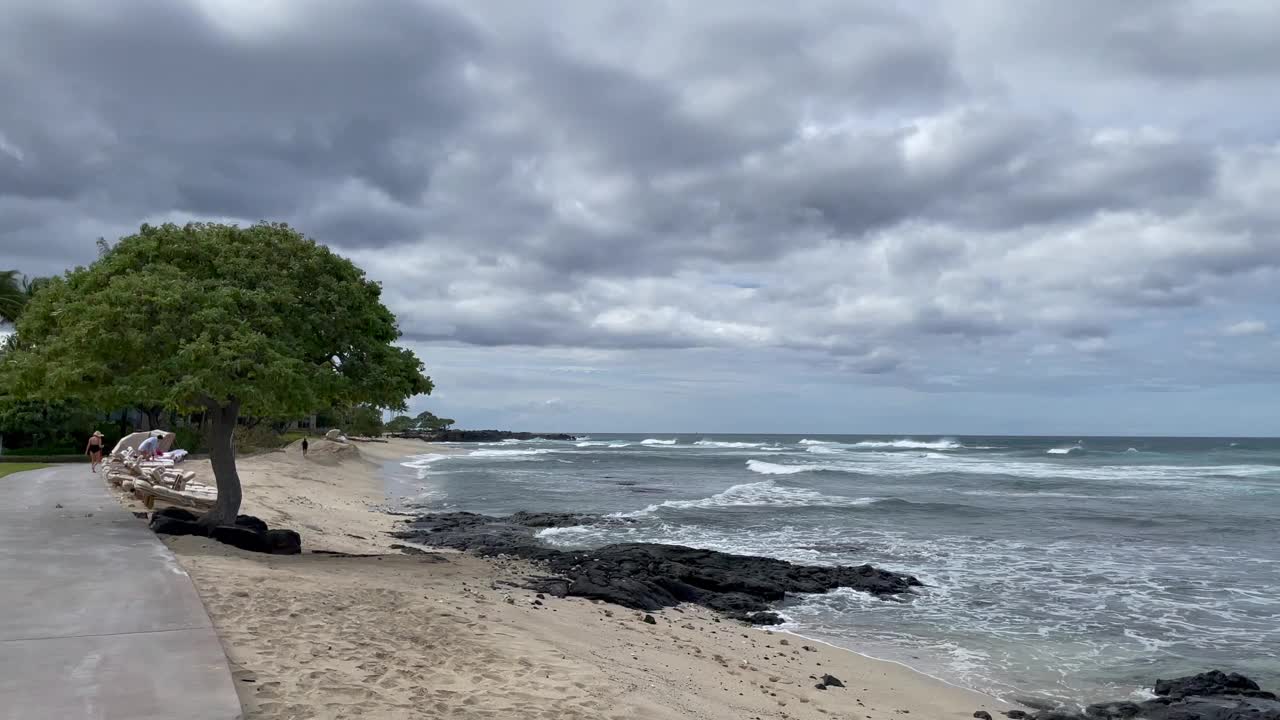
(1073, 569)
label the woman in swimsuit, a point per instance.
(94, 451)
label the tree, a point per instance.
(400, 423)
(427, 420)
(12, 295)
(219, 319)
(16, 290)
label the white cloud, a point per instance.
(1245, 328)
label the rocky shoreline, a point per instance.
(652, 576)
(647, 576)
(477, 436)
(1212, 695)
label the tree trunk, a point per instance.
(222, 455)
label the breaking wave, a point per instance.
(909, 444)
(768, 468)
(655, 441)
(718, 444)
(758, 494)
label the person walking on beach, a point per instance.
(304, 447)
(94, 451)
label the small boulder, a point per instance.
(1214, 682)
(832, 681)
(177, 513)
(165, 525)
(982, 715)
(648, 619)
(250, 522)
(242, 538)
(282, 542)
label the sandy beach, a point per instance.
(372, 632)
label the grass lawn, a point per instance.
(11, 468)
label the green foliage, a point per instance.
(16, 291)
(210, 315)
(49, 426)
(189, 439)
(12, 297)
(260, 437)
(427, 420)
(363, 420)
(400, 423)
(218, 318)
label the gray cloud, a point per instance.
(892, 196)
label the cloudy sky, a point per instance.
(972, 216)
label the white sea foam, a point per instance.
(1066, 450)
(807, 441)
(909, 444)
(656, 441)
(507, 454)
(719, 444)
(757, 494)
(768, 468)
(419, 462)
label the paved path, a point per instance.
(97, 619)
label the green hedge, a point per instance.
(40, 451)
(7, 458)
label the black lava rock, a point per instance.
(282, 542)
(176, 513)
(648, 619)
(1214, 682)
(250, 522)
(832, 681)
(648, 576)
(242, 538)
(166, 525)
(1213, 695)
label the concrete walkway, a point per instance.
(97, 619)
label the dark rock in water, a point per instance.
(1214, 682)
(648, 576)
(548, 520)
(1113, 710)
(478, 435)
(832, 681)
(982, 715)
(1213, 695)
(242, 538)
(282, 542)
(250, 522)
